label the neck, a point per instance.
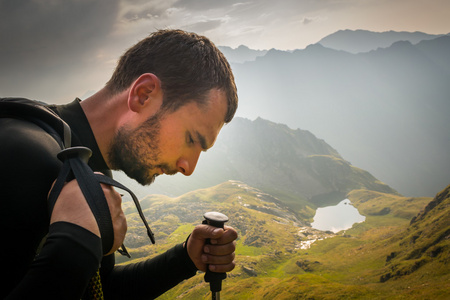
(104, 113)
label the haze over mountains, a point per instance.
(301, 170)
(385, 110)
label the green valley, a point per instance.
(279, 256)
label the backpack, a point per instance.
(75, 165)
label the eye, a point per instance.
(189, 139)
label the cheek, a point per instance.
(172, 139)
(170, 149)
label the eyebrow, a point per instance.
(202, 140)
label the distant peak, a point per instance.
(315, 46)
(243, 47)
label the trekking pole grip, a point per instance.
(215, 219)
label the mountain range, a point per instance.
(384, 110)
(358, 41)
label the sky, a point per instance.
(56, 50)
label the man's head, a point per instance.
(188, 66)
(167, 131)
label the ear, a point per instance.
(145, 93)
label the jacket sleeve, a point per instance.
(69, 258)
(150, 278)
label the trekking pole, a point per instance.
(215, 219)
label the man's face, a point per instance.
(168, 143)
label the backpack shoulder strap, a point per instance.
(39, 114)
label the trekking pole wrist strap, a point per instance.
(75, 167)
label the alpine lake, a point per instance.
(337, 218)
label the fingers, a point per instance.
(219, 263)
(219, 254)
(114, 200)
(225, 236)
(203, 232)
(219, 250)
(216, 235)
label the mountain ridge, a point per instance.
(351, 41)
(358, 41)
(241, 54)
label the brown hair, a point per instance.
(188, 65)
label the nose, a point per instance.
(186, 166)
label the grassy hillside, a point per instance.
(385, 257)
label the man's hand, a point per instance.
(219, 255)
(72, 207)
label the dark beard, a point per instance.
(129, 148)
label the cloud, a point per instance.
(46, 40)
(226, 22)
(41, 25)
(306, 21)
(202, 5)
(136, 10)
(205, 25)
